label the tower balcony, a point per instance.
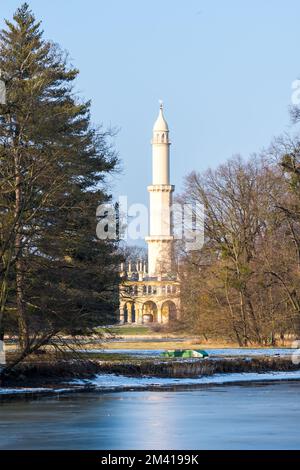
(166, 188)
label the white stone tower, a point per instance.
(153, 294)
(160, 240)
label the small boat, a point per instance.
(186, 353)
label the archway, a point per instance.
(149, 312)
(168, 311)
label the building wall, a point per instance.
(141, 300)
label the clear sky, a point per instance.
(224, 70)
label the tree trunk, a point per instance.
(244, 320)
(21, 308)
(237, 335)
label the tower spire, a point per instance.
(160, 123)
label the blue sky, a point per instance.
(223, 69)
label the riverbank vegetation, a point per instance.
(48, 373)
(244, 284)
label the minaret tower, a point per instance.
(153, 295)
(160, 240)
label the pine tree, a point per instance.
(56, 276)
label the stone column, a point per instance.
(139, 313)
(122, 316)
(165, 317)
(177, 304)
(129, 312)
(159, 318)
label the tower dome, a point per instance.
(160, 123)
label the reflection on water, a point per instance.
(225, 417)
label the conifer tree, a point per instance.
(55, 275)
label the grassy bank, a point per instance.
(134, 336)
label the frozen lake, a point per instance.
(249, 416)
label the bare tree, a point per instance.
(240, 213)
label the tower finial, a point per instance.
(160, 123)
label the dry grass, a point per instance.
(191, 343)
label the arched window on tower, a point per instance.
(162, 138)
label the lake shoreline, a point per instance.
(28, 395)
(38, 379)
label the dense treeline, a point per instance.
(55, 276)
(244, 285)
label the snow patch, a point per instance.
(103, 381)
(13, 391)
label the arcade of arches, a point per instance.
(149, 311)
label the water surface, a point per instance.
(257, 416)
